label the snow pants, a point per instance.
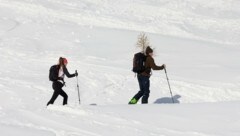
(57, 87)
(144, 85)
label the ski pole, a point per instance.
(78, 89)
(168, 84)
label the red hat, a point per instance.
(65, 61)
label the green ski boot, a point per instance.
(133, 101)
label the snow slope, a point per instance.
(197, 40)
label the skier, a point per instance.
(57, 73)
(143, 78)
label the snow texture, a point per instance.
(197, 40)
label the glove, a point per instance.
(76, 74)
(164, 66)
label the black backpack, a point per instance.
(139, 63)
(53, 73)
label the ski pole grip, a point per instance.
(165, 70)
(76, 72)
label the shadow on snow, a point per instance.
(168, 99)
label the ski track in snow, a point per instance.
(7, 25)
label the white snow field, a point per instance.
(198, 40)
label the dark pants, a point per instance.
(57, 87)
(144, 85)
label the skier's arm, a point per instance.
(67, 73)
(154, 66)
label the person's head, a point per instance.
(62, 61)
(149, 51)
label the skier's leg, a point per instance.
(54, 97)
(146, 87)
(65, 97)
(55, 93)
(137, 96)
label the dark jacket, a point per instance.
(65, 71)
(149, 65)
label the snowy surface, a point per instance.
(198, 40)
